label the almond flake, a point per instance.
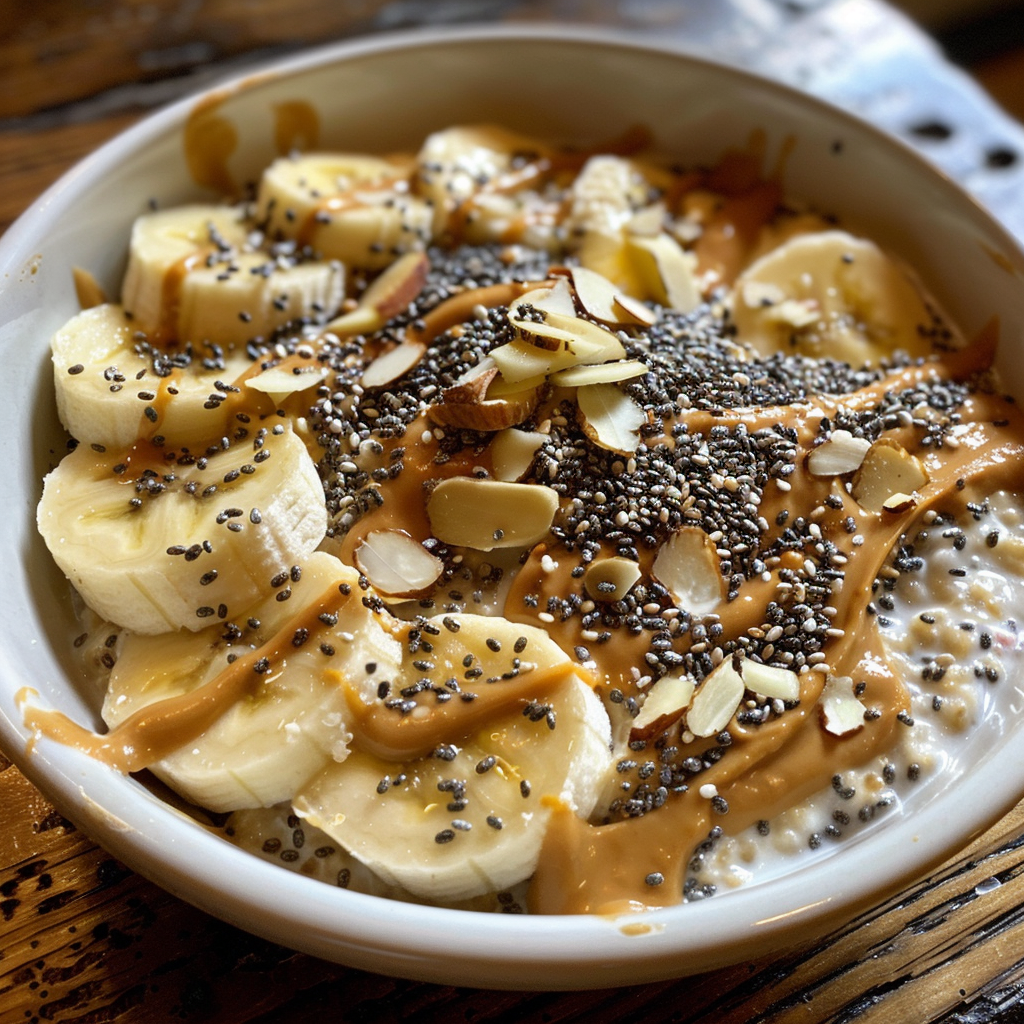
(668, 271)
(635, 310)
(386, 297)
(396, 564)
(770, 680)
(492, 414)
(610, 418)
(665, 703)
(841, 453)
(888, 470)
(393, 364)
(599, 373)
(688, 566)
(599, 297)
(841, 712)
(647, 222)
(716, 700)
(488, 514)
(281, 381)
(610, 579)
(513, 452)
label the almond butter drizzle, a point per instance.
(386, 734)
(155, 731)
(296, 126)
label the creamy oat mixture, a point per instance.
(523, 529)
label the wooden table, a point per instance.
(83, 939)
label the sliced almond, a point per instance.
(841, 711)
(770, 680)
(888, 470)
(647, 222)
(391, 365)
(610, 418)
(636, 311)
(664, 705)
(472, 386)
(610, 579)
(386, 297)
(841, 453)
(599, 297)
(519, 361)
(716, 700)
(513, 452)
(396, 564)
(669, 272)
(281, 381)
(531, 314)
(488, 514)
(489, 415)
(599, 373)
(687, 565)
(502, 388)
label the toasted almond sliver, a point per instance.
(664, 705)
(841, 453)
(396, 564)
(387, 295)
(597, 295)
(513, 452)
(770, 680)
(493, 414)
(841, 711)
(611, 419)
(647, 222)
(687, 565)
(888, 470)
(716, 700)
(520, 361)
(635, 311)
(899, 502)
(611, 579)
(280, 381)
(670, 273)
(393, 364)
(472, 386)
(599, 373)
(488, 514)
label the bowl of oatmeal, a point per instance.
(587, 532)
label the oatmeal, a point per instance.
(516, 528)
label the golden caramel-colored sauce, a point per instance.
(209, 141)
(296, 126)
(87, 289)
(395, 737)
(155, 731)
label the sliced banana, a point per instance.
(155, 545)
(470, 816)
(109, 394)
(262, 749)
(357, 209)
(192, 276)
(832, 295)
(466, 174)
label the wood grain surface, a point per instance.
(84, 940)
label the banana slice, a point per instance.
(154, 544)
(468, 814)
(109, 394)
(357, 209)
(467, 173)
(192, 276)
(261, 750)
(831, 295)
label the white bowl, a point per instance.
(384, 94)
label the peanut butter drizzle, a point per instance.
(602, 868)
(296, 126)
(388, 734)
(87, 289)
(161, 728)
(209, 140)
(340, 203)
